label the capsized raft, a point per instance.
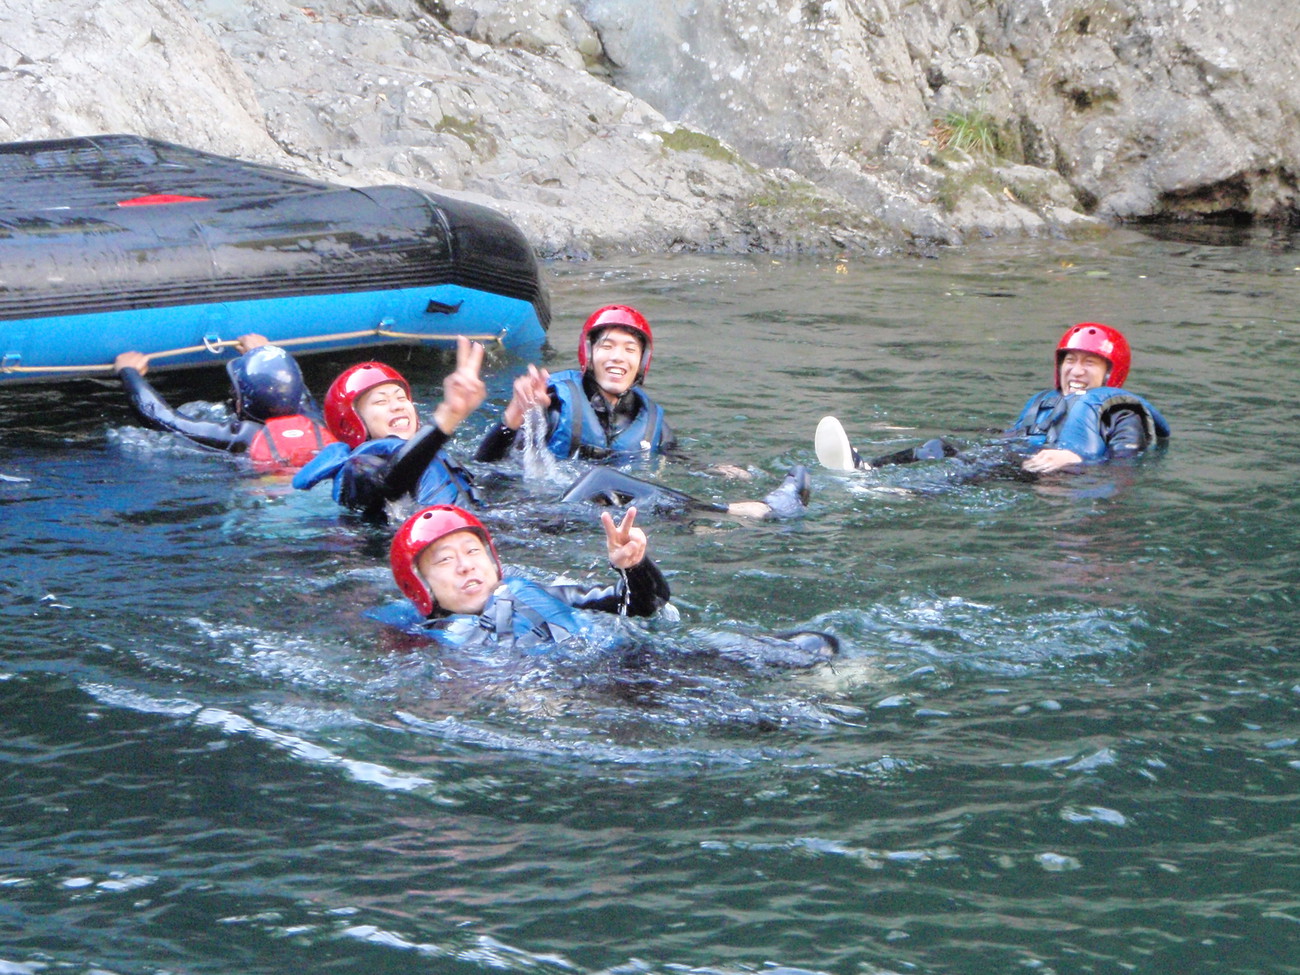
(118, 242)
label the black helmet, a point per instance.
(267, 383)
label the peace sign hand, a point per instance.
(462, 391)
(627, 543)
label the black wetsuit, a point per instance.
(1123, 430)
(282, 443)
(235, 435)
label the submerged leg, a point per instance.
(609, 487)
(791, 498)
(613, 488)
(936, 449)
(788, 649)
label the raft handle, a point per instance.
(436, 307)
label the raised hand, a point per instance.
(462, 391)
(627, 543)
(529, 391)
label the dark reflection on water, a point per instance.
(1061, 736)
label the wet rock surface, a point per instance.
(600, 126)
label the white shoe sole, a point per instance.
(832, 445)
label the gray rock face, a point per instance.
(145, 66)
(779, 125)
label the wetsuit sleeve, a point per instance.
(401, 475)
(154, 412)
(361, 483)
(496, 443)
(1124, 432)
(642, 588)
(646, 588)
(667, 439)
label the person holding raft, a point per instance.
(602, 412)
(1088, 418)
(384, 453)
(275, 424)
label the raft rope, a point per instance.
(215, 346)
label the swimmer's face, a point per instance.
(387, 411)
(615, 360)
(460, 572)
(1082, 371)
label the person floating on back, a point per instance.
(1088, 418)
(384, 454)
(275, 422)
(447, 566)
(601, 411)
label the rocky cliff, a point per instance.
(654, 125)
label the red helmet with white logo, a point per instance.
(341, 399)
(1102, 340)
(420, 531)
(616, 316)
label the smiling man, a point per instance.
(446, 564)
(387, 410)
(1086, 419)
(383, 452)
(599, 410)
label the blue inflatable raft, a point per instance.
(118, 242)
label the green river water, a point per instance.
(1062, 735)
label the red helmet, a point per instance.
(616, 316)
(420, 531)
(1102, 340)
(340, 400)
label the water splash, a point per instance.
(539, 463)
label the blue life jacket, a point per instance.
(441, 483)
(1074, 423)
(579, 427)
(519, 613)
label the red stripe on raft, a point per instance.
(159, 198)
